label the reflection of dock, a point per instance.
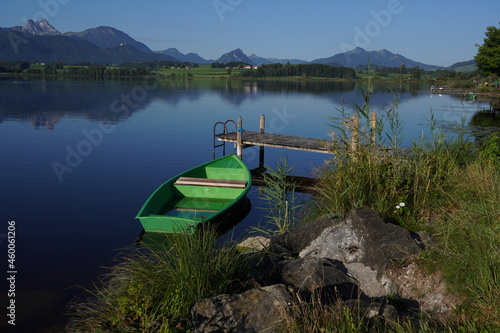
(303, 184)
(467, 94)
(449, 91)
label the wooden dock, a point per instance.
(250, 138)
(244, 139)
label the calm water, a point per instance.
(79, 158)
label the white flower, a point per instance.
(402, 204)
(398, 206)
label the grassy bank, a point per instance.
(447, 186)
(153, 290)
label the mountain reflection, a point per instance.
(43, 103)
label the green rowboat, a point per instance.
(203, 194)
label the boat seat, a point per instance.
(211, 182)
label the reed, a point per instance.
(282, 202)
(449, 186)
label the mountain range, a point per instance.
(190, 57)
(361, 57)
(40, 41)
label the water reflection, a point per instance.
(44, 103)
(486, 118)
(70, 229)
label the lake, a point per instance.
(79, 158)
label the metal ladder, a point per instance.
(223, 144)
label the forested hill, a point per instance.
(313, 70)
(16, 46)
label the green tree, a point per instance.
(488, 54)
(416, 73)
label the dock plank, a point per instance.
(251, 138)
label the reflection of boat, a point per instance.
(471, 97)
(206, 193)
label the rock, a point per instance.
(361, 240)
(425, 240)
(257, 243)
(355, 260)
(389, 313)
(317, 274)
(367, 309)
(256, 310)
(301, 237)
(426, 289)
(263, 269)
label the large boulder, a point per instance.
(256, 310)
(318, 275)
(361, 240)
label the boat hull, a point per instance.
(178, 206)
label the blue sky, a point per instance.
(438, 32)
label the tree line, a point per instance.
(231, 64)
(92, 71)
(13, 66)
(103, 71)
(415, 72)
(129, 69)
(157, 64)
(309, 70)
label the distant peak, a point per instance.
(42, 27)
(104, 28)
(358, 49)
(384, 51)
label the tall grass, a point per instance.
(451, 189)
(339, 318)
(469, 235)
(282, 203)
(153, 290)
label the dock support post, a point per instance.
(239, 139)
(373, 127)
(262, 126)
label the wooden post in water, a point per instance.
(239, 139)
(262, 126)
(373, 127)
